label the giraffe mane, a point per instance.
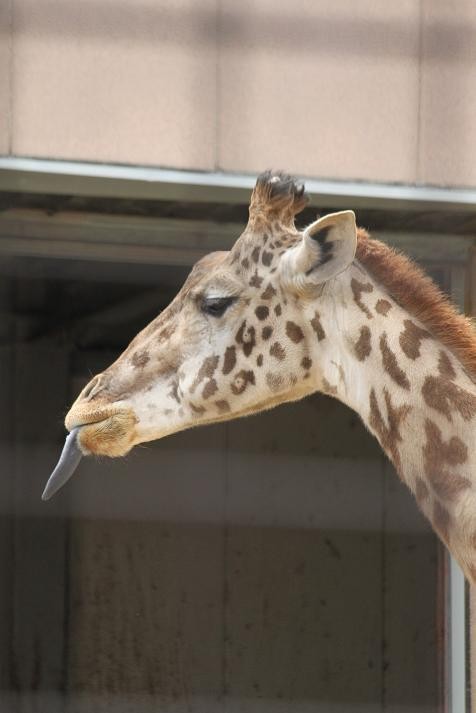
(417, 293)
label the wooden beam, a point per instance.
(114, 238)
(152, 240)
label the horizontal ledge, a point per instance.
(152, 240)
(138, 182)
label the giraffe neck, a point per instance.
(413, 395)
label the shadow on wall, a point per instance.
(147, 21)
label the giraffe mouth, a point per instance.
(82, 415)
(103, 428)
(111, 436)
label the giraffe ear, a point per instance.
(326, 249)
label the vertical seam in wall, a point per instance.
(218, 26)
(418, 156)
(226, 553)
(10, 80)
(11, 671)
(383, 593)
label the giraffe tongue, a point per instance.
(67, 464)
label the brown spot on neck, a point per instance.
(388, 432)
(383, 307)
(262, 312)
(223, 406)
(443, 395)
(277, 351)
(294, 332)
(358, 289)
(445, 367)
(256, 280)
(275, 382)
(241, 381)
(390, 364)
(269, 292)
(209, 389)
(363, 346)
(411, 339)
(266, 258)
(317, 326)
(328, 388)
(174, 391)
(440, 458)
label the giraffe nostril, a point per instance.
(93, 388)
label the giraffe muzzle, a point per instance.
(111, 436)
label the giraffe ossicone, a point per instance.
(286, 313)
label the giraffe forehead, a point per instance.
(220, 284)
(209, 265)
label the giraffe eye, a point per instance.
(216, 306)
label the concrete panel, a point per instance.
(146, 615)
(130, 81)
(448, 94)
(5, 69)
(289, 613)
(320, 88)
(304, 538)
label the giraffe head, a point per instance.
(234, 340)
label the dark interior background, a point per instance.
(271, 563)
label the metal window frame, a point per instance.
(33, 175)
(459, 697)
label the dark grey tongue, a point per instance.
(67, 464)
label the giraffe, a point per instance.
(286, 313)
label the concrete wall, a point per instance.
(6, 52)
(347, 90)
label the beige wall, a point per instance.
(373, 91)
(5, 74)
